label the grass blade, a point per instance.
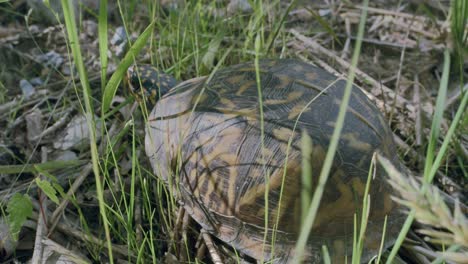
(307, 190)
(438, 116)
(307, 227)
(73, 39)
(432, 165)
(113, 84)
(103, 44)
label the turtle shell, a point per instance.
(234, 159)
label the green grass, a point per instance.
(192, 42)
(74, 41)
(432, 165)
(459, 20)
(324, 173)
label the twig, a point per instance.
(201, 247)
(85, 237)
(211, 248)
(395, 13)
(76, 184)
(62, 121)
(397, 85)
(41, 228)
(417, 103)
(65, 252)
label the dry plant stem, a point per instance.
(61, 122)
(397, 84)
(201, 247)
(85, 237)
(380, 11)
(6, 107)
(416, 30)
(175, 233)
(345, 52)
(64, 251)
(138, 220)
(381, 43)
(81, 236)
(26, 105)
(41, 228)
(183, 240)
(321, 63)
(211, 248)
(76, 184)
(417, 103)
(25, 36)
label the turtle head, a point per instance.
(149, 83)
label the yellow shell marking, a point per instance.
(291, 97)
(354, 142)
(297, 110)
(214, 182)
(246, 85)
(289, 203)
(344, 204)
(311, 76)
(266, 157)
(282, 133)
(228, 103)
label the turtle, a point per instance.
(229, 146)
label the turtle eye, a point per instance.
(146, 80)
(141, 79)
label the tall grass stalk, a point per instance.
(116, 78)
(258, 46)
(306, 192)
(430, 167)
(437, 119)
(272, 37)
(312, 212)
(73, 39)
(358, 244)
(103, 43)
(382, 241)
(459, 21)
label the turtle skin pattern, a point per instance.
(236, 171)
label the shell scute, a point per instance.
(240, 173)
